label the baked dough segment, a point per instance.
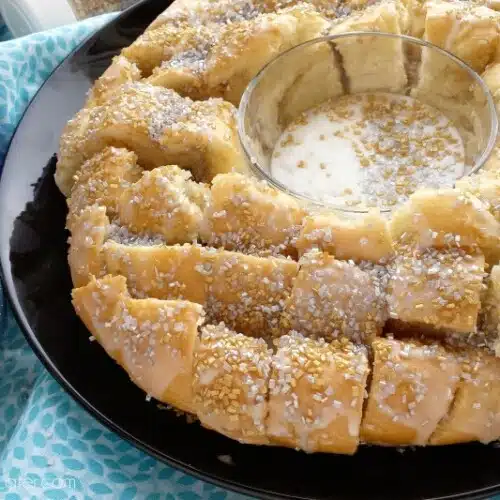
(438, 289)
(475, 412)
(230, 383)
(493, 162)
(156, 46)
(78, 144)
(160, 126)
(158, 348)
(162, 272)
(156, 338)
(97, 305)
(101, 181)
(444, 217)
(489, 321)
(334, 299)
(248, 293)
(411, 391)
(165, 201)
(175, 56)
(183, 65)
(491, 77)
(316, 77)
(248, 216)
(417, 10)
(468, 31)
(89, 230)
(316, 394)
(244, 48)
(120, 71)
(382, 66)
(485, 186)
(366, 238)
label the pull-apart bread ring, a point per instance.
(273, 321)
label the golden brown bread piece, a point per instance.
(485, 186)
(102, 180)
(438, 289)
(334, 299)
(97, 304)
(493, 162)
(159, 271)
(120, 71)
(247, 292)
(230, 384)
(165, 201)
(362, 238)
(475, 412)
(489, 319)
(211, 12)
(491, 78)
(444, 217)
(411, 391)
(182, 65)
(382, 65)
(316, 394)
(167, 42)
(248, 216)
(152, 339)
(160, 126)
(89, 231)
(316, 77)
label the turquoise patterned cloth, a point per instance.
(50, 447)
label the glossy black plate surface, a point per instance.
(36, 276)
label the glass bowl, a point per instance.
(410, 114)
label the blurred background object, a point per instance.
(23, 17)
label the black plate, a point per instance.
(35, 273)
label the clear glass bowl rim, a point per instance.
(260, 172)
